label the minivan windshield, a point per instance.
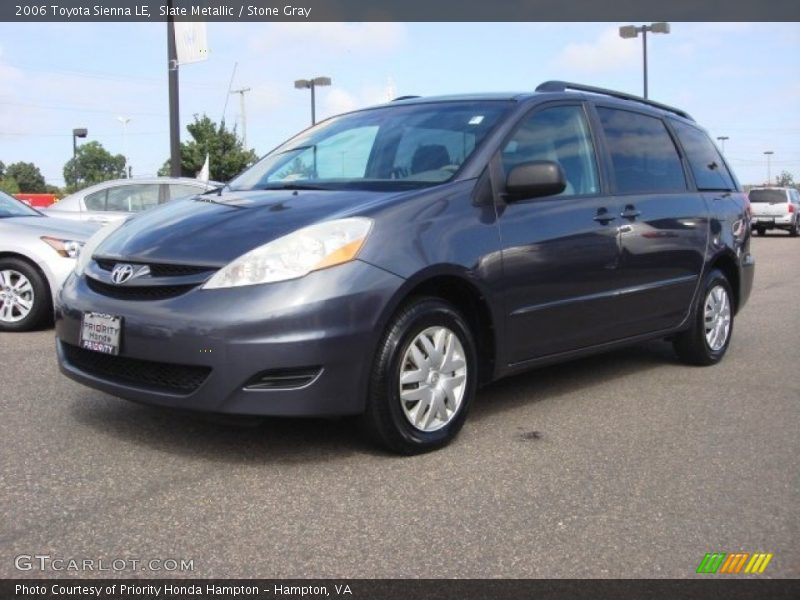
(385, 148)
(771, 196)
(11, 207)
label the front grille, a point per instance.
(165, 377)
(159, 269)
(140, 292)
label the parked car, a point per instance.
(113, 200)
(36, 255)
(388, 262)
(775, 208)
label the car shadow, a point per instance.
(254, 440)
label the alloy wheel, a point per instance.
(16, 296)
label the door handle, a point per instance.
(630, 212)
(603, 216)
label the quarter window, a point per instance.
(559, 134)
(707, 165)
(643, 154)
(96, 201)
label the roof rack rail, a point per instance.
(562, 86)
(405, 98)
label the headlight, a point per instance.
(66, 248)
(309, 249)
(93, 242)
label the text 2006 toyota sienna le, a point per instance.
(389, 261)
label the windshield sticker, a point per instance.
(476, 120)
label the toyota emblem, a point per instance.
(122, 272)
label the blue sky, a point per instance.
(741, 80)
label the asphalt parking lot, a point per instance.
(622, 465)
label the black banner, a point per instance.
(426, 589)
(398, 10)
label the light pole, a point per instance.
(722, 139)
(302, 84)
(769, 154)
(631, 31)
(79, 132)
(125, 121)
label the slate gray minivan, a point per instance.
(388, 262)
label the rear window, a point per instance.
(771, 196)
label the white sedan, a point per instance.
(113, 200)
(37, 254)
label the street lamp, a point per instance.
(769, 154)
(125, 121)
(302, 84)
(631, 31)
(722, 139)
(80, 132)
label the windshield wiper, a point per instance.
(290, 186)
(212, 201)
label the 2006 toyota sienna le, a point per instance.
(389, 261)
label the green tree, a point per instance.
(92, 164)
(227, 155)
(28, 177)
(785, 179)
(2, 169)
(9, 185)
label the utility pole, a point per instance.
(174, 106)
(125, 121)
(241, 93)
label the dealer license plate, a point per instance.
(101, 332)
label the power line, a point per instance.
(76, 109)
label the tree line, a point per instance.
(93, 164)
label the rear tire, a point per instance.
(795, 230)
(25, 301)
(709, 336)
(423, 379)
(761, 231)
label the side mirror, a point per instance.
(535, 179)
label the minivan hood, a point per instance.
(212, 230)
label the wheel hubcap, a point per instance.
(717, 318)
(16, 296)
(433, 379)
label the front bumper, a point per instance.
(326, 323)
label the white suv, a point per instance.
(775, 208)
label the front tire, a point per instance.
(423, 379)
(707, 340)
(25, 301)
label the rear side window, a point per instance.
(768, 196)
(643, 154)
(132, 198)
(181, 191)
(707, 166)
